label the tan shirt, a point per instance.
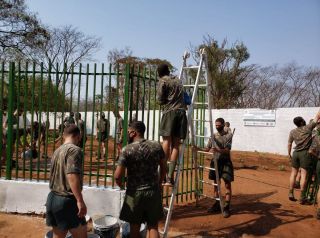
(67, 159)
(170, 94)
(222, 140)
(302, 136)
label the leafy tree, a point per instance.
(226, 70)
(20, 30)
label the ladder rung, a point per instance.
(166, 208)
(208, 168)
(191, 67)
(204, 152)
(201, 103)
(193, 85)
(218, 199)
(206, 182)
(202, 136)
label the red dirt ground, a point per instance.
(260, 207)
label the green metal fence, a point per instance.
(36, 98)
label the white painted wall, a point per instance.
(247, 138)
(30, 197)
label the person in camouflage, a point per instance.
(173, 125)
(65, 207)
(69, 120)
(143, 202)
(314, 150)
(302, 136)
(119, 132)
(102, 127)
(82, 127)
(220, 145)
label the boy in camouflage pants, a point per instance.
(142, 202)
(173, 126)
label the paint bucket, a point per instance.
(125, 230)
(106, 227)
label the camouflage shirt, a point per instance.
(69, 121)
(170, 94)
(315, 145)
(67, 159)
(81, 126)
(302, 136)
(222, 140)
(141, 158)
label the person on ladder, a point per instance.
(221, 146)
(173, 125)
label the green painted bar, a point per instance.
(18, 122)
(144, 92)
(2, 136)
(85, 114)
(55, 108)
(39, 121)
(107, 148)
(10, 121)
(93, 125)
(149, 101)
(64, 82)
(71, 88)
(32, 114)
(25, 119)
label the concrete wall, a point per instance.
(30, 197)
(247, 138)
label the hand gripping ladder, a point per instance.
(202, 72)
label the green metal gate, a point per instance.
(46, 94)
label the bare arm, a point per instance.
(163, 170)
(317, 117)
(289, 149)
(119, 174)
(74, 181)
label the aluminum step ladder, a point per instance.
(201, 72)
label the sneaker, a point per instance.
(291, 197)
(318, 214)
(226, 211)
(215, 208)
(169, 182)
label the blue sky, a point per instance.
(275, 31)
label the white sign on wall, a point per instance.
(259, 117)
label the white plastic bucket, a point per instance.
(125, 230)
(106, 227)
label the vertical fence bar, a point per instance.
(137, 93)
(126, 105)
(154, 108)
(71, 89)
(55, 108)
(149, 100)
(85, 120)
(18, 121)
(64, 82)
(92, 123)
(10, 121)
(144, 92)
(2, 151)
(47, 123)
(117, 110)
(39, 119)
(32, 115)
(25, 94)
(109, 109)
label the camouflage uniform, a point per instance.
(170, 97)
(61, 205)
(82, 128)
(315, 148)
(119, 129)
(103, 126)
(222, 140)
(69, 120)
(302, 136)
(143, 201)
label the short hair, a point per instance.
(71, 130)
(71, 114)
(227, 124)
(103, 115)
(163, 70)
(78, 114)
(298, 121)
(138, 126)
(221, 120)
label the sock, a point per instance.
(172, 166)
(227, 203)
(290, 190)
(303, 193)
